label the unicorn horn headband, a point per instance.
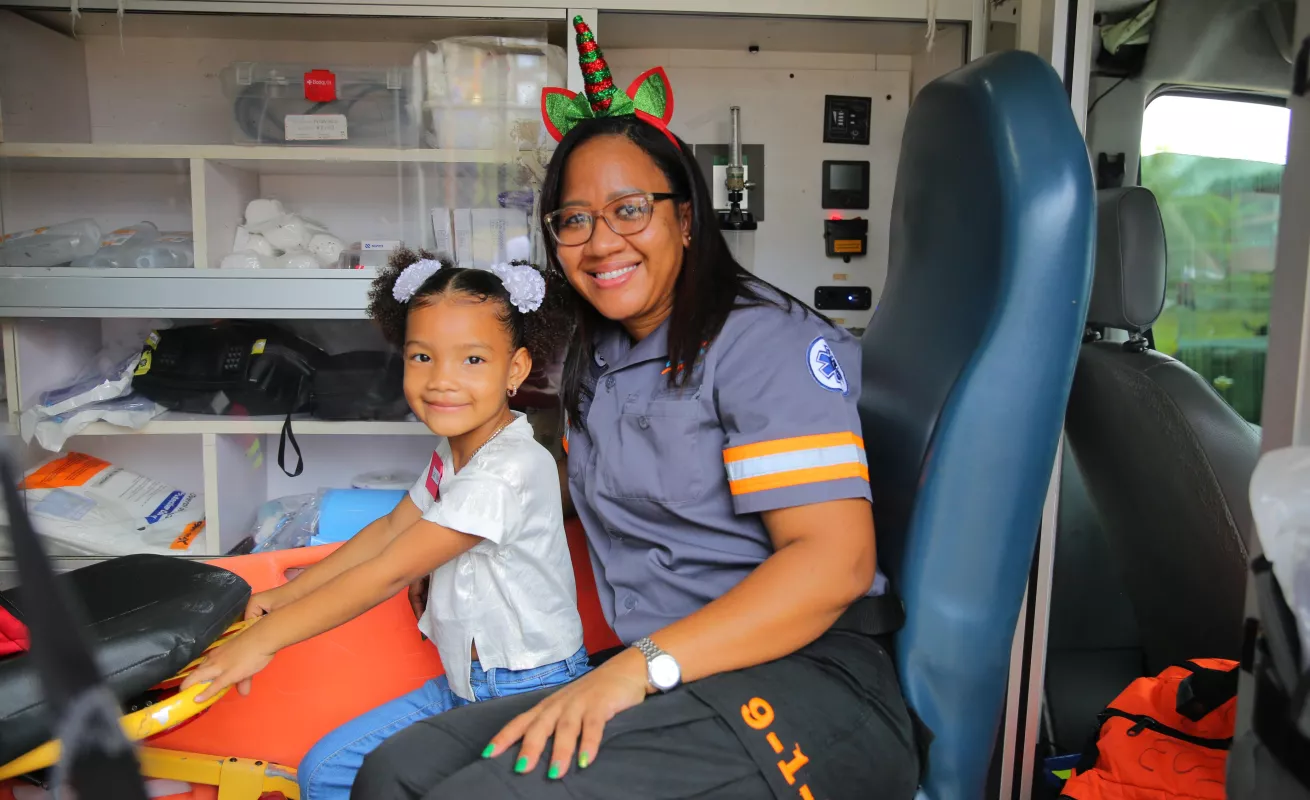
(649, 97)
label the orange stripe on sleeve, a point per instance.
(799, 477)
(779, 446)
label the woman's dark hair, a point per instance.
(711, 284)
(543, 332)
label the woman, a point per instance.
(726, 582)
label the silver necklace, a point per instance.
(493, 435)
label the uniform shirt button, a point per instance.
(609, 382)
(630, 603)
(643, 422)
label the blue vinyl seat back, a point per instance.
(967, 366)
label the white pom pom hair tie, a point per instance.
(414, 276)
(524, 283)
(526, 286)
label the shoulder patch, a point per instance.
(824, 367)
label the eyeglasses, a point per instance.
(626, 216)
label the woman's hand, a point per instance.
(418, 595)
(264, 602)
(232, 663)
(580, 708)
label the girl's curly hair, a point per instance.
(543, 332)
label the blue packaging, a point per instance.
(345, 512)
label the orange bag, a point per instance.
(1163, 737)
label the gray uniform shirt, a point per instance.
(669, 482)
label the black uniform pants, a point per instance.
(825, 723)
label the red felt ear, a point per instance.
(659, 123)
(552, 126)
(661, 87)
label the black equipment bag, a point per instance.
(235, 368)
(361, 385)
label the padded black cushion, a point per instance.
(1167, 463)
(150, 616)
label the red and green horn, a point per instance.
(596, 77)
(649, 97)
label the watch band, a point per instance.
(648, 648)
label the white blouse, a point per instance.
(513, 594)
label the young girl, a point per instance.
(484, 521)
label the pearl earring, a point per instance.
(513, 390)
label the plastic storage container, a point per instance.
(118, 248)
(173, 249)
(315, 104)
(50, 246)
(484, 92)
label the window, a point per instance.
(1216, 168)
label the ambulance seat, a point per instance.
(149, 616)
(967, 365)
(1166, 460)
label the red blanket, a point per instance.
(13, 634)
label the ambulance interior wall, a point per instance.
(781, 95)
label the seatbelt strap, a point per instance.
(97, 759)
(873, 616)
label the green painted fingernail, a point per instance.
(553, 772)
(489, 752)
(583, 760)
(521, 765)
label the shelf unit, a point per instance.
(132, 129)
(176, 423)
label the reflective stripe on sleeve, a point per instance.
(801, 460)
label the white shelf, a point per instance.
(64, 292)
(268, 160)
(174, 424)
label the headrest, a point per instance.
(1128, 291)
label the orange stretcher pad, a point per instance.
(242, 748)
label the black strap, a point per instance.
(97, 759)
(288, 435)
(1276, 731)
(1204, 690)
(873, 616)
(302, 392)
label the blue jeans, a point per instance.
(329, 767)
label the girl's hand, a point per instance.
(581, 708)
(262, 603)
(418, 595)
(232, 663)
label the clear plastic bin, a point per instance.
(484, 92)
(315, 104)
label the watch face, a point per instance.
(664, 672)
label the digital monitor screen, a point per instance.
(845, 177)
